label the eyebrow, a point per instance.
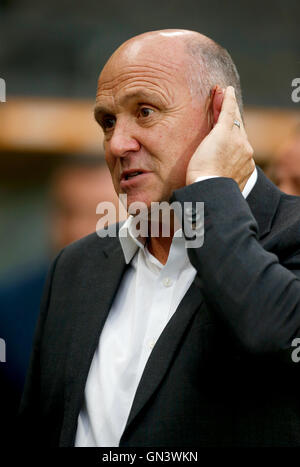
(140, 94)
(99, 109)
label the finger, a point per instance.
(238, 116)
(217, 103)
(231, 111)
(229, 108)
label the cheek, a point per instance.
(110, 162)
(167, 142)
(193, 137)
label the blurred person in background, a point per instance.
(76, 186)
(285, 169)
(76, 189)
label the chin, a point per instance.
(146, 197)
(138, 199)
(141, 198)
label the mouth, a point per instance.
(130, 178)
(129, 174)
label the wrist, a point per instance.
(200, 178)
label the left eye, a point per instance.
(145, 111)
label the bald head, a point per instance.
(205, 62)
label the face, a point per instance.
(287, 166)
(151, 124)
(76, 192)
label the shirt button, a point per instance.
(167, 282)
(151, 344)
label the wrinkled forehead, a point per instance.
(164, 58)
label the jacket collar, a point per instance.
(106, 269)
(263, 201)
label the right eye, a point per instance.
(108, 122)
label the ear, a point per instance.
(216, 105)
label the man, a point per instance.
(141, 341)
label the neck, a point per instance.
(159, 247)
(160, 233)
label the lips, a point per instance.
(134, 174)
(129, 174)
(133, 178)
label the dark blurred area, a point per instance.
(285, 167)
(57, 48)
(52, 168)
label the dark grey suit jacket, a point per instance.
(221, 373)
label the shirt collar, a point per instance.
(250, 183)
(129, 242)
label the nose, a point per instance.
(123, 140)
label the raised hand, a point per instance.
(225, 151)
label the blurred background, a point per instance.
(52, 171)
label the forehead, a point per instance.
(158, 66)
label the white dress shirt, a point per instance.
(145, 301)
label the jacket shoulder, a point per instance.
(88, 249)
(288, 212)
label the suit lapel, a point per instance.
(105, 273)
(263, 201)
(164, 351)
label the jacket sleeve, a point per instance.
(28, 420)
(244, 285)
